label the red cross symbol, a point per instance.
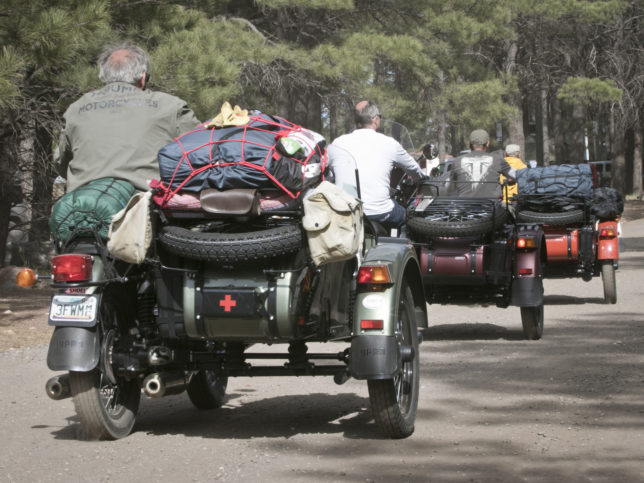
(227, 303)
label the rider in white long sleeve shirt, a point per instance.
(376, 155)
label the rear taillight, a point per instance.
(71, 268)
(526, 242)
(607, 233)
(373, 274)
(375, 278)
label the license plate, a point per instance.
(78, 310)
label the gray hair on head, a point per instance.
(123, 63)
(365, 112)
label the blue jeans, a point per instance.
(393, 219)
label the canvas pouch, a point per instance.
(333, 224)
(130, 233)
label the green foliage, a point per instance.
(11, 66)
(313, 4)
(588, 92)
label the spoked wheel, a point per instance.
(460, 217)
(394, 401)
(532, 320)
(608, 278)
(207, 390)
(105, 404)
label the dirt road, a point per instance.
(493, 407)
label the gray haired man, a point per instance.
(116, 131)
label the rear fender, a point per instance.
(527, 283)
(73, 349)
(374, 352)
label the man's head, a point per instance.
(513, 150)
(479, 140)
(367, 115)
(430, 151)
(124, 63)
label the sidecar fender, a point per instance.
(73, 349)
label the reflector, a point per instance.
(371, 324)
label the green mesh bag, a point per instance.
(88, 210)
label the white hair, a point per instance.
(128, 68)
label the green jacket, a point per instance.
(117, 131)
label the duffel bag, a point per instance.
(88, 210)
(573, 180)
(249, 156)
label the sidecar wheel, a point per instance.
(231, 247)
(207, 390)
(394, 401)
(105, 403)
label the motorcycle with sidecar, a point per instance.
(472, 249)
(215, 284)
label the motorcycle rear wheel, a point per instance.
(608, 280)
(532, 321)
(105, 403)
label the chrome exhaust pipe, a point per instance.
(58, 387)
(164, 384)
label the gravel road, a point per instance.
(493, 407)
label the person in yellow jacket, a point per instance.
(512, 153)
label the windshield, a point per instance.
(343, 168)
(399, 132)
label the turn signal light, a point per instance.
(26, 277)
(371, 324)
(525, 242)
(373, 274)
(71, 268)
(607, 233)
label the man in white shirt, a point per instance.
(376, 155)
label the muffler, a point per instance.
(164, 384)
(58, 387)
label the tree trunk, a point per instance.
(618, 180)
(442, 148)
(638, 188)
(545, 132)
(577, 148)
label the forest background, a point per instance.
(564, 79)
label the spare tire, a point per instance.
(231, 247)
(457, 217)
(553, 219)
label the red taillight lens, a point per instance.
(607, 233)
(371, 324)
(525, 242)
(71, 268)
(525, 271)
(373, 274)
